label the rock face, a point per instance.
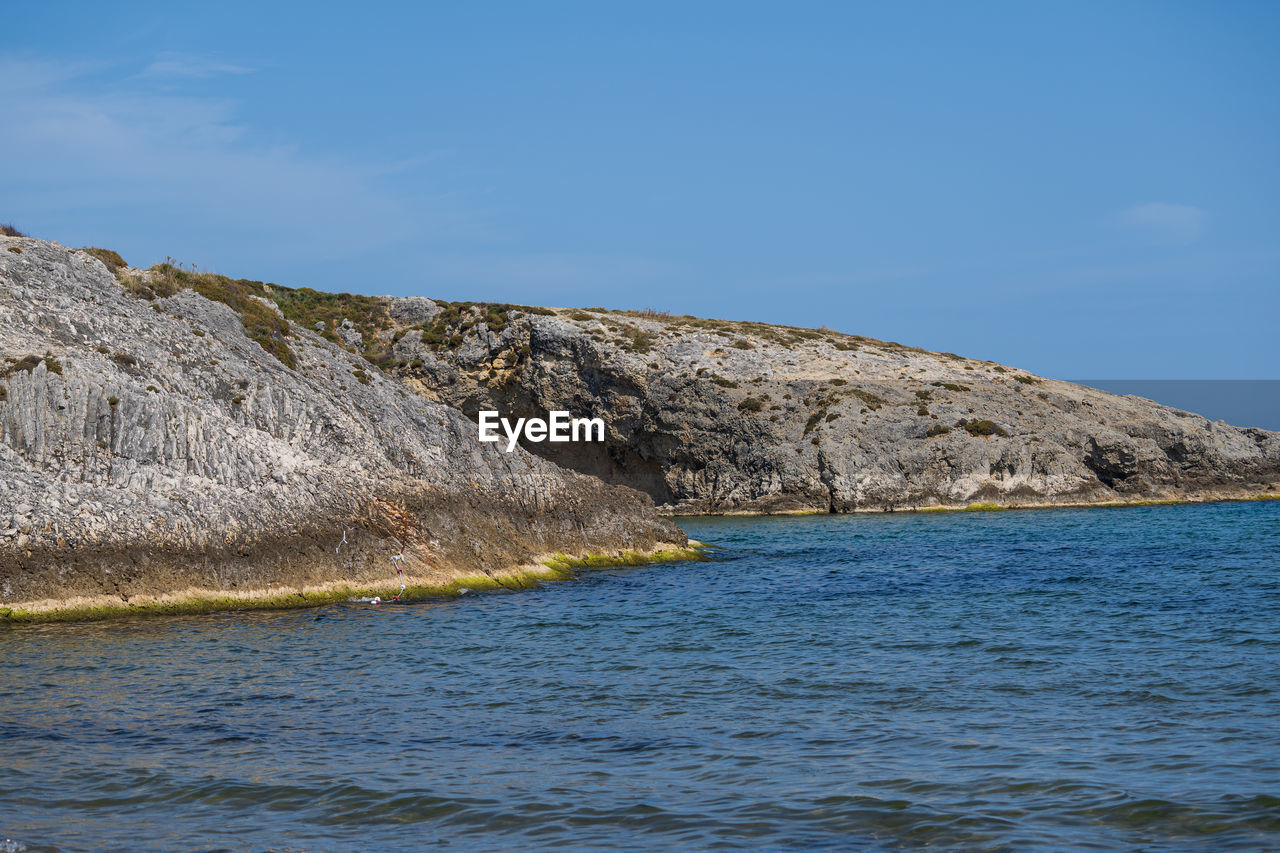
(151, 447)
(710, 416)
(166, 432)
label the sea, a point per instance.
(1041, 680)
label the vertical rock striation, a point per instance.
(153, 448)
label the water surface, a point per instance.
(1041, 680)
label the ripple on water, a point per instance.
(1096, 679)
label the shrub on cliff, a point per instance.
(262, 323)
(981, 428)
(114, 262)
(871, 400)
(26, 363)
(308, 307)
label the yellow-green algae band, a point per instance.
(555, 567)
(996, 507)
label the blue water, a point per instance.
(1043, 680)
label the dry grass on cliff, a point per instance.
(784, 336)
(112, 259)
(449, 328)
(252, 300)
(307, 307)
(262, 323)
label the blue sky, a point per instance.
(1081, 189)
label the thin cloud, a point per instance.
(89, 143)
(170, 64)
(1166, 223)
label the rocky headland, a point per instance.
(185, 443)
(710, 416)
(169, 435)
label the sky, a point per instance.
(1075, 188)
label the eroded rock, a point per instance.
(149, 447)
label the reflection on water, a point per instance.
(1095, 679)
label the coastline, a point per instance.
(555, 566)
(981, 506)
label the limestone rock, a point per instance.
(152, 447)
(713, 416)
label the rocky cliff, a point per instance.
(710, 416)
(173, 434)
(169, 432)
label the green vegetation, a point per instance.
(992, 507)
(814, 419)
(113, 401)
(951, 386)
(558, 567)
(113, 261)
(742, 343)
(936, 429)
(27, 363)
(262, 323)
(637, 339)
(724, 383)
(362, 376)
(786, 336)
(311, 308)
(319, 310)
(839, 382)
(982, 428)
(449, 328)
(565, 563)
(1026, 380)
(871, 400)
(751, 404)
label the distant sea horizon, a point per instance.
(1239, 402)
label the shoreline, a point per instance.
(557, 566)
(981, 506)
